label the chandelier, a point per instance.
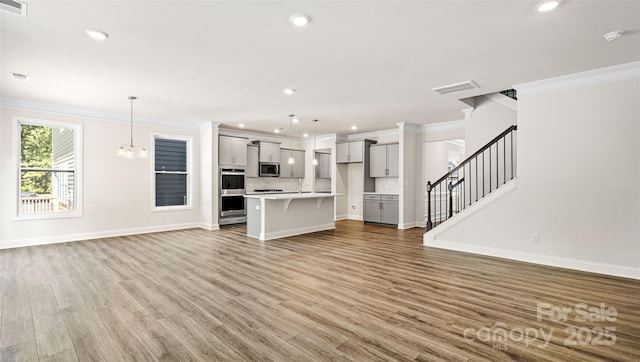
(127, 151)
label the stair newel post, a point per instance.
(429, 223)
(450, 188)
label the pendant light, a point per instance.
(291, 161)
(126, 151)
(315, 158)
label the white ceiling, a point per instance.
(367, 63)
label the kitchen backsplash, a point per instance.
(281, 183)
(323, 184)
(389, 185)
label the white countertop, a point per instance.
(293, 195)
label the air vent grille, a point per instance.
(458, 87)
(14, 7)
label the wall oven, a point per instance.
(231, 201)
(231, 181)
(269, 169)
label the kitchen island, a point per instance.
(272, 216)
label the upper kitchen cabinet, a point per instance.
(252, 161)
(269, 151)
(385, 160)
(232, 151)
(323, 169)
(297, 169)
(347, 152)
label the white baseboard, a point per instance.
(209, 227)
(94, 235)
(296, 231)
(567, 263)
(341, 217)
(412, 224)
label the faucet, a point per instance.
(300, 185)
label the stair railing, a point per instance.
(478, 175)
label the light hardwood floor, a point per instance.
(359, 293)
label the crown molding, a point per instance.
(409, 127)
(443, 126)
(504, 100)
(373, 134)
(27, 105)
(582, 79)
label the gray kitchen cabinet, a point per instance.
(232, 151)
(252, 162)
(299, 165)
(371, 208)
(390, 209)
(385, 160)
(269, 152)
(393, 160)
(323, 169)
(383, 209)
(347, 152)
(297, 169)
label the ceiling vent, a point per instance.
(14, 7)
(458, 87)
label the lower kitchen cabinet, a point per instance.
(383, 209)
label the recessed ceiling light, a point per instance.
(547, 5)
(613, 35)
(241, 125)
(354, 127)
(96, 34)
(299, 19)
(288, 91)
(20, 76)
(278, 130)
(305, 135)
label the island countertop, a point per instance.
(292, 195)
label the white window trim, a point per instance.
(78, 147)
(189, 140)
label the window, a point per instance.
(172, 168)
(49, 168)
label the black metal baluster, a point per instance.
(490, 186)
(482, 173)
(504, 160)
(429, 222)
(511, 134)
(476, 159)
(450, 209)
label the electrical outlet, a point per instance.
(353, 207)
(535, 239)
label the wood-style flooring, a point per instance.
(360, 292)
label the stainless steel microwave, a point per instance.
(269, 169)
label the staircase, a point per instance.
(483, 172)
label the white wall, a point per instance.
(578, 184)
(437, 132)
(116, 197)
(491, 115)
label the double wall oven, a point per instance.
(232, 203)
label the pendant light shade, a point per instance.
(128, 151)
